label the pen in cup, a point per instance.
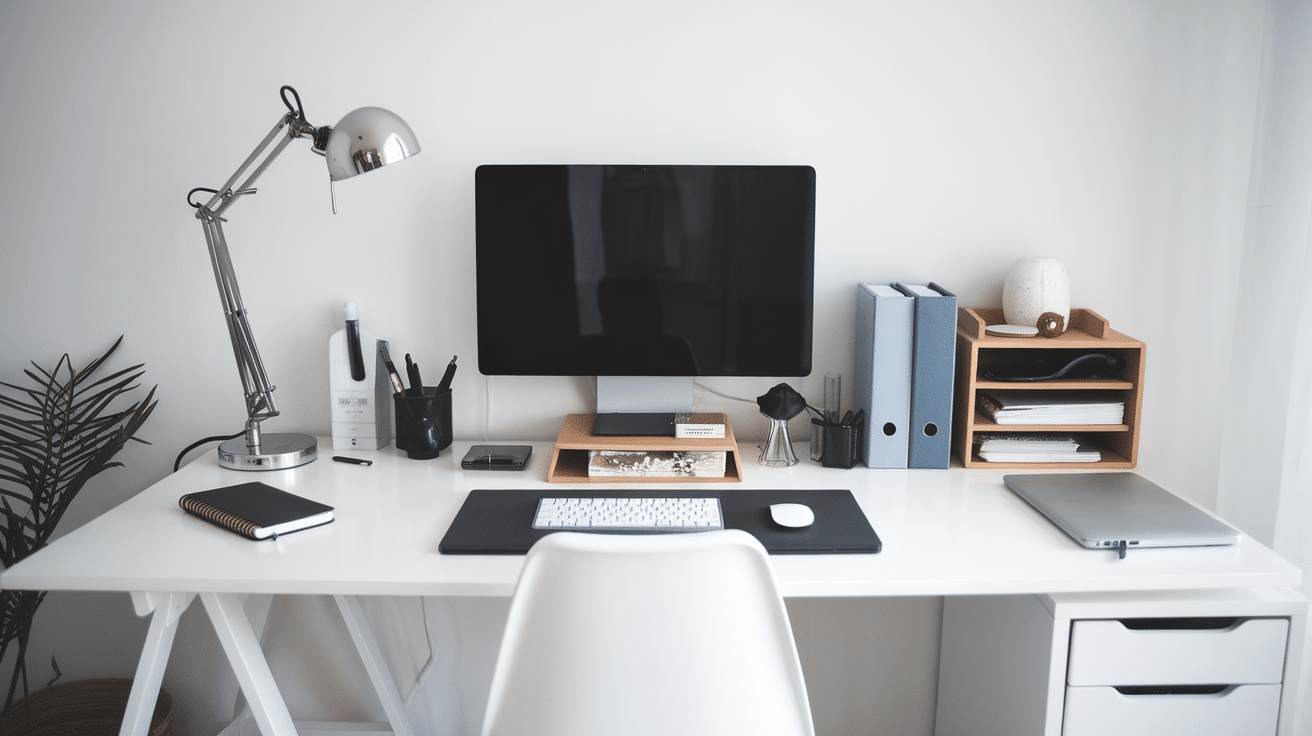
(416, 383)
(450, 373)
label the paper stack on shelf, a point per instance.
(1033, 448)
(657, 463)
(1045, 407)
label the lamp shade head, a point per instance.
(367, 139)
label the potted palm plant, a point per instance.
(55, 435)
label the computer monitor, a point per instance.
(630, 273)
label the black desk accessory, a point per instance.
(423, 420)
(1056, 364)
(496, 457)
(500, 521)
(634, 424)
(842, 440)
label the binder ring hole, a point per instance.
(890, 429)
(930, 429)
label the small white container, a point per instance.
(360, 409)
(1034, 286)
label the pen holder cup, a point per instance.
(842, 443)
(423, 423)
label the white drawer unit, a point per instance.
(1203, 663)
(1178, 651)
(1196, 675)
(1230, 710)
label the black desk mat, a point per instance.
(500, 521)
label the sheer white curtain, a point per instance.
(1266, 469)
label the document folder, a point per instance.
(933, 356)
(884, 327)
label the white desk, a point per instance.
(945, 532)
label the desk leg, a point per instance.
(259, 611)
(164, 610)
(1293, 685)
(248, 663)
(372, 656)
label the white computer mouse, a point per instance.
(794, 515)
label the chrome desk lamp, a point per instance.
(364, 140)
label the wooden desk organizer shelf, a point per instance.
(1119, 443)
(569, 458)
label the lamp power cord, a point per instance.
(178, 463)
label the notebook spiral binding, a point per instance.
(222, 518)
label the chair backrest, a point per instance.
(678, 634)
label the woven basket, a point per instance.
(82, 708)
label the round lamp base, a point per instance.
(276, 452)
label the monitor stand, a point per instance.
(644, 394)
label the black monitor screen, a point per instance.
(645, 270)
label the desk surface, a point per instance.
(945, 532)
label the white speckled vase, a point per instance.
(1035, 286)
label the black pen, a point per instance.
(416, 384)
(352, 460)
(450, 373)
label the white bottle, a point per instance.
(360, 414)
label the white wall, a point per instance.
(950, 138)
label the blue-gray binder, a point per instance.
(884, 323)
(933, 356)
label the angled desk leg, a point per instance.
(248, 663)
(372, 656)
(164, 610)
(259, 609)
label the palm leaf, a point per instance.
(56, 434)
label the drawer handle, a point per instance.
(1157, 690)
(1192, 623)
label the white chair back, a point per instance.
(677, 634)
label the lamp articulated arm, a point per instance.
(260, 404)
(365, 139)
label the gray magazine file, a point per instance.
(933, 366)
(884, 325)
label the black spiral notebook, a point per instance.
(256, 510)
(500, 521)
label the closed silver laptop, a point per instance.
(1119, 511)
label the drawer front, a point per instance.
(1250, 651)
(1241, 710)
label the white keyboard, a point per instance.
(629, 514)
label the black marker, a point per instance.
(352, 460)
(450, 373)
(416, 383)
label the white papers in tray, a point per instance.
(1024, 448)
(1046, 407)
